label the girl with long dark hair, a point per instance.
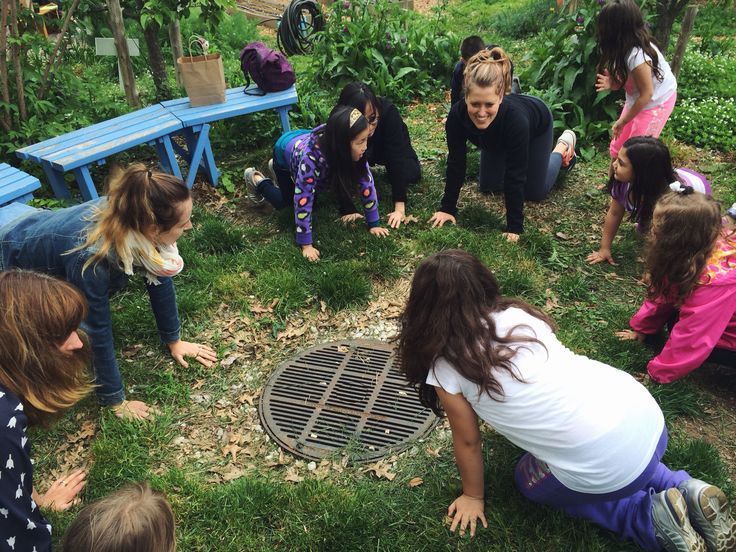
(331, 156)
(630, 59)
(594, 436)
(642, 172)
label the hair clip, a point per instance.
(677, 187)
(355, 114)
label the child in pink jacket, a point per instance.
(694, 291)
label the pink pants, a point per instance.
(649, 122)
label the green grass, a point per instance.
(245, 282)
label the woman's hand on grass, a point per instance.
(466, 511)
(511, 237)
(379, 231)
(62, 493)
(133, 410)
(631, 335)
(350, 219)
(601, 255)
(204, 354)
(440, 218)
(398, 215)
(311, 253)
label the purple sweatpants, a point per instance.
(627, 512)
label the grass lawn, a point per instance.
(247, 291)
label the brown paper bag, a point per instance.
(204, 79)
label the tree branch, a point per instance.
(15, 55)
(52, 60)
(5, 118)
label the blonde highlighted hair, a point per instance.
(133, 519)
(684, 230)
(140, 203)
(39, 313)
(488, 68)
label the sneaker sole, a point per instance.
(681, 536)
(713, 520)
(250, 187)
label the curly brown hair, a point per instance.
(38, 314)
(685, 228)
(449, 314)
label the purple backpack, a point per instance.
(270, 70)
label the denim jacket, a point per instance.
(39, 240)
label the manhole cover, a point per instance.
(346, 394)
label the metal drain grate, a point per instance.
(347, 394)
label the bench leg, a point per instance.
(84, 181)
(56, 179)
(284, 115)
(200, 151)
(165, 149)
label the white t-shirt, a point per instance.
(594, 425)
(662, 89)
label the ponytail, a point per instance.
(489, 68)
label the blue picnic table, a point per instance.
(77, 150)
(154, 125)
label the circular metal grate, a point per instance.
(346, 395)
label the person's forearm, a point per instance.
(610, 228)
(400, 206)
(639, 105)
(469, 461)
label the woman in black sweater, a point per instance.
(388, 143)
(518, 126)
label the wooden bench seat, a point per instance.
(77, 150)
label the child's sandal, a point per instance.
(251, 186)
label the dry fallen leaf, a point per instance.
(381, 470)
(416, 481)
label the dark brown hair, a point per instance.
(651, 165)
(39, 313)
(470, 46)
(133, 519)
(448, 314)
(621, 28)
(685, 228)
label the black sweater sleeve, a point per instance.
(456, 161)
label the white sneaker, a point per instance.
(671, 524)
(251, 188)
(707, 507)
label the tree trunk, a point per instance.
(15, 56)
(57, 48)
(667, 12)
(121, 46)
(156, 61)
(687, 27)
(177, 49)
(5, 119)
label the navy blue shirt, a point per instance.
(22, 527)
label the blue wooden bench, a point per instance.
(154, 125)
(16, 188)
(76, 151)
(197, 121)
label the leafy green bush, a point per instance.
(400, 53)
(524, 21)
(708, 123)
(704, 76)
(564, 64)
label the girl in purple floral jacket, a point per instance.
(331, 156)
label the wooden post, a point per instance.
(15, 56)
(57, 47)
(121, 45)
(176, 48)
(682, 40)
